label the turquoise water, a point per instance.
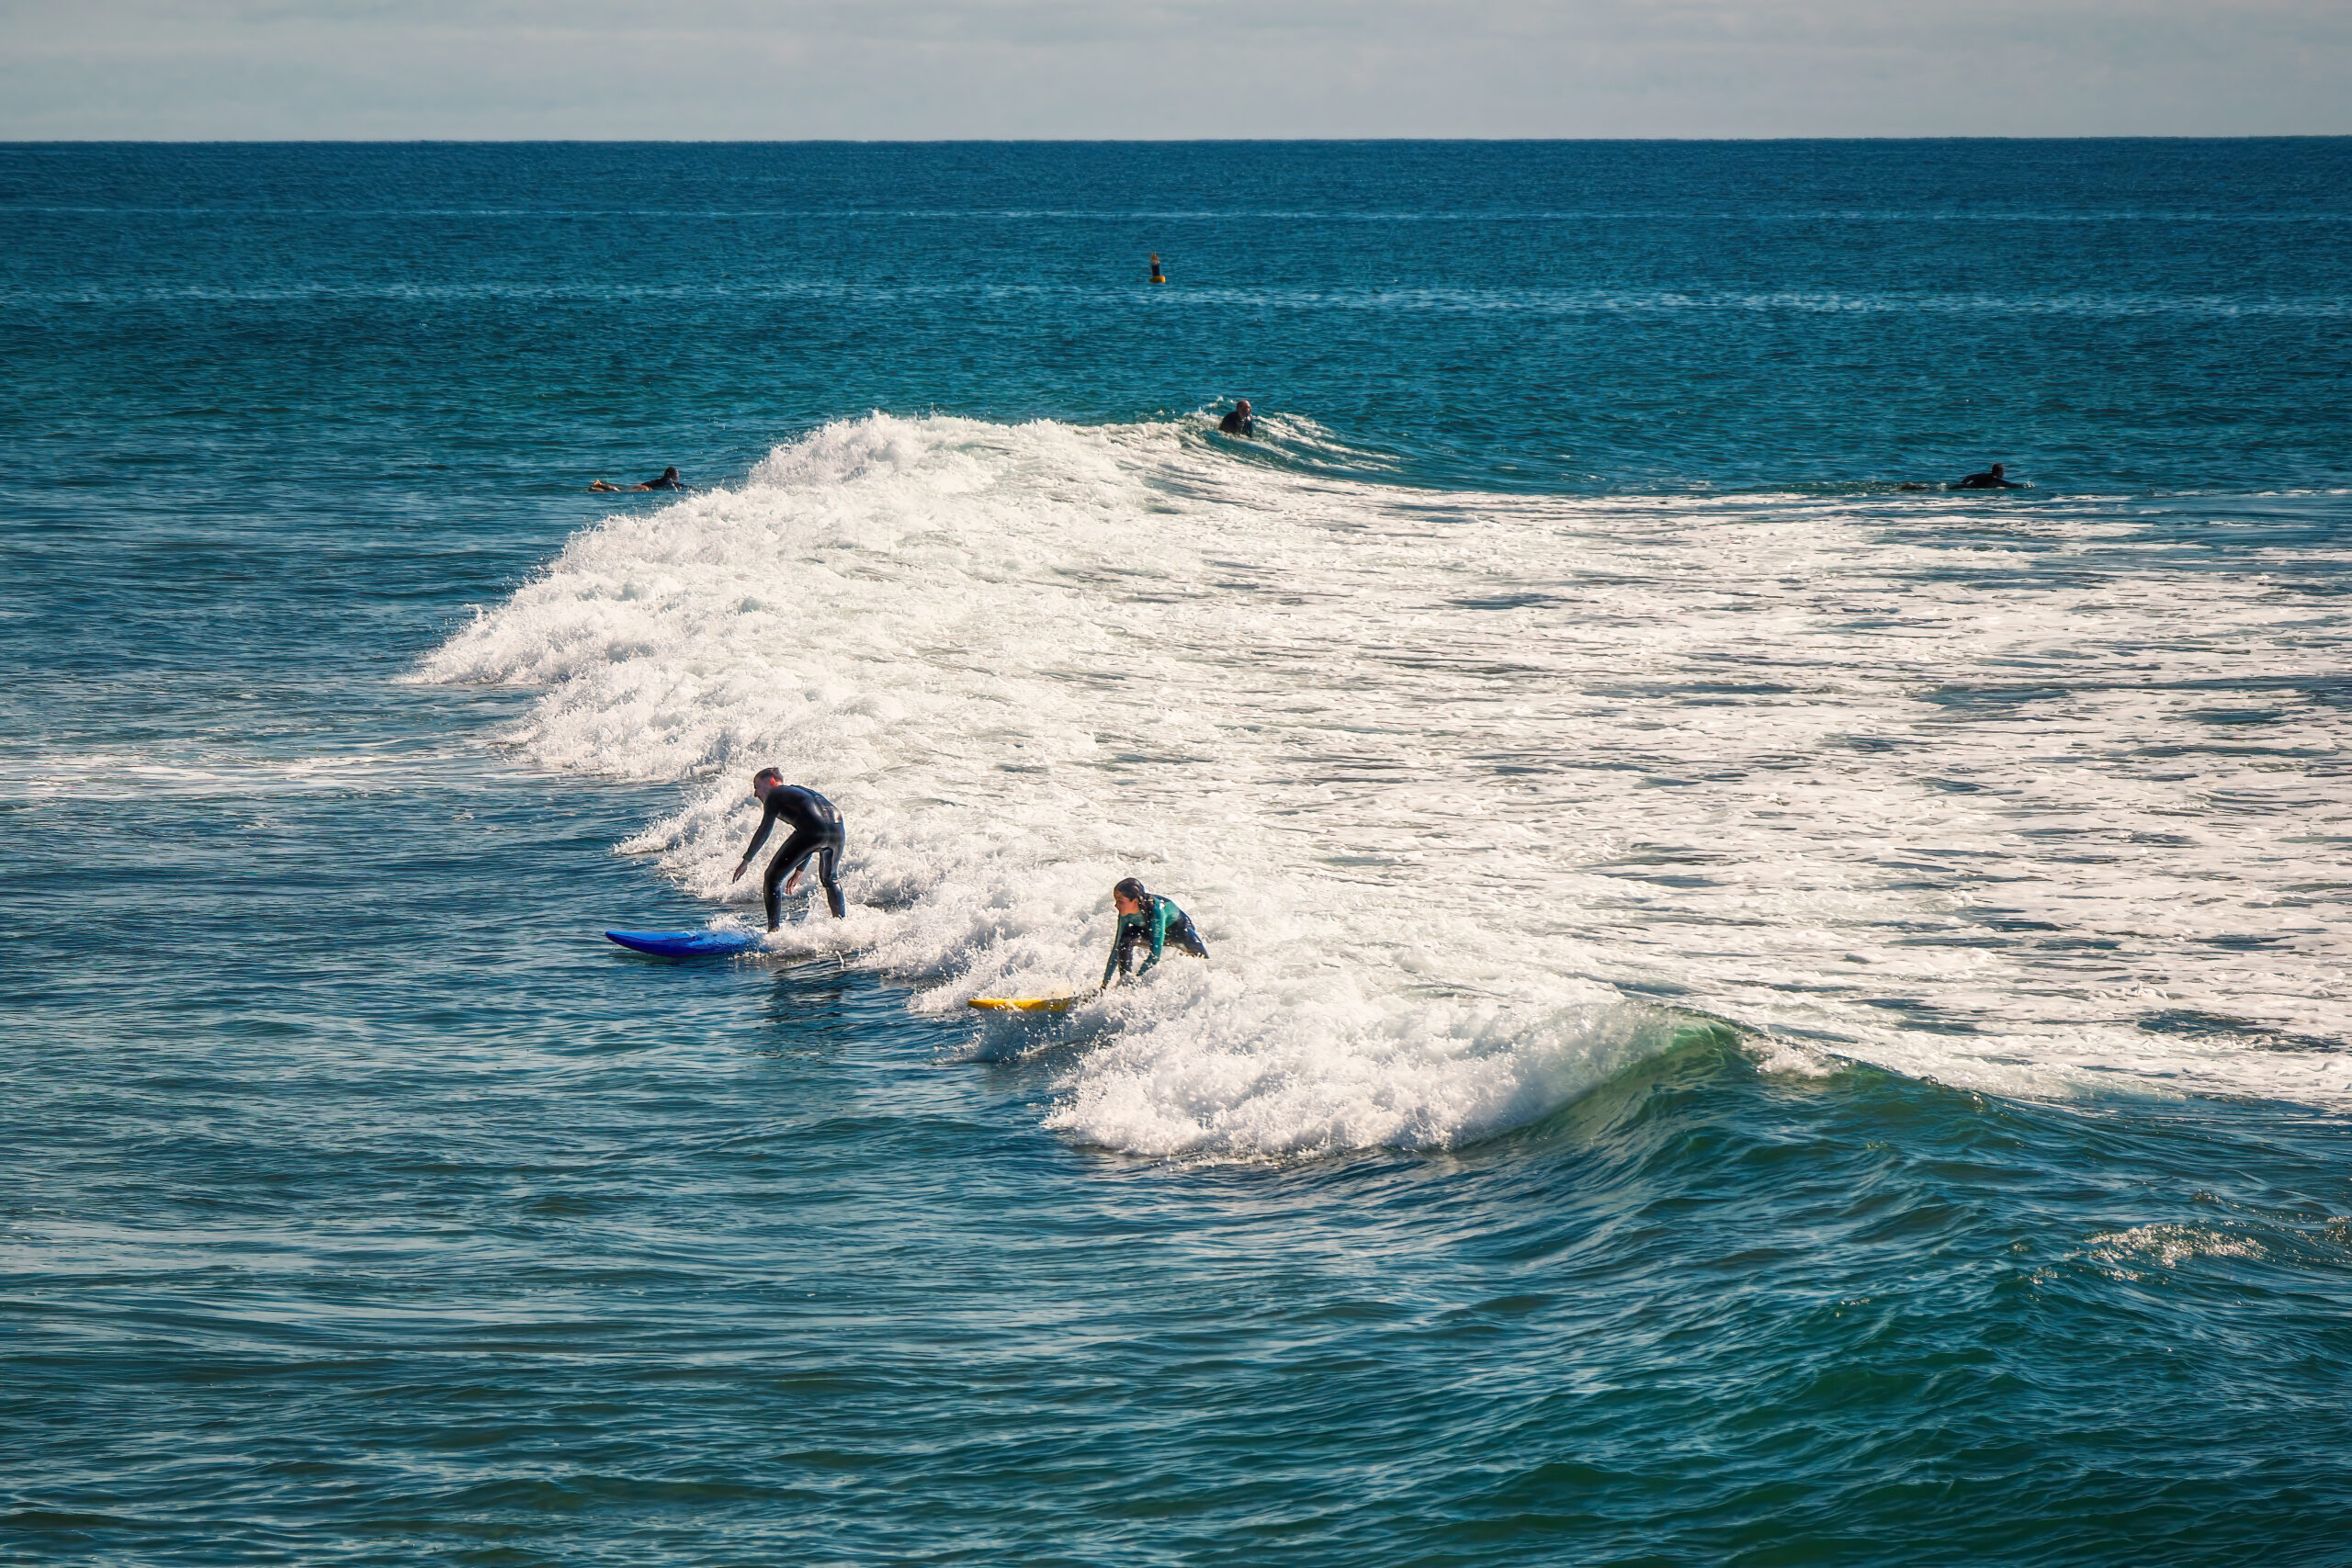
(1754, 1015)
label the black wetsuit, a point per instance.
(1160, 921)
(1238, 423)
(816, 830)
(1987, 481)
(667, 481)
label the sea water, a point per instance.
(1759, 1009)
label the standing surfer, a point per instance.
(816, 830)
(1143, 914)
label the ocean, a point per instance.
(1759, 1009)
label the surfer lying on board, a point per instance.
(1992, 479)
(1142, 913)
(1240, 422)
(669, 481)
(816, 830)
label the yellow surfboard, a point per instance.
(1025, 1004)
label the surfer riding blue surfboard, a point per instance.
(816, 830)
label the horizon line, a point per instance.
(1105, 140)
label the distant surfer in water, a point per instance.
(1143, 915)
(816, 830)
(669, 481)
(1240, 422)
(1991, 478)
(1157, 275)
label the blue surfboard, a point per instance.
(687, 944)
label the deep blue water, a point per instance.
(359, 1204)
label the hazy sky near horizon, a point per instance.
(923, 69)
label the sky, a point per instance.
(946, 69)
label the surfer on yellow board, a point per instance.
(1142, 917)
(1148, 915)
(1157, 275)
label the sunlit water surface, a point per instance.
(1755, 1014)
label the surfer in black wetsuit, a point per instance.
(1240, 422)
(1147, 916)
(669, 481)
(1992, 479)
(816, 830)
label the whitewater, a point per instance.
(1479, 798)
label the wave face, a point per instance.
(1466, 790)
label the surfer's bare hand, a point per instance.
(792, 882)
(740, 867)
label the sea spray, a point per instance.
(1459, 787)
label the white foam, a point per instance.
(226, 769)
(1447, 779)
(2168, 1245)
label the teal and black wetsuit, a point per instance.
(1164, 923)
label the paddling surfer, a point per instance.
(1239, 420)
(816, 830)
(1148, 915)
(1993, 478)
(669, 481)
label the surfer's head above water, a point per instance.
(765, 780)
(1128, 891)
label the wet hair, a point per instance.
(775, 773)
(1129, 888)
(670, 472)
